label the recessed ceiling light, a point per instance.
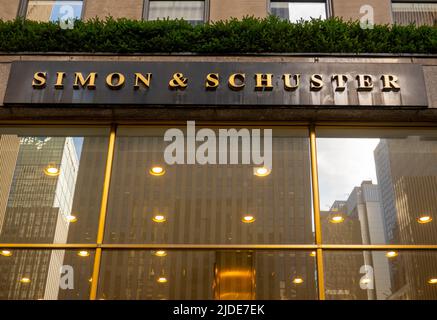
(313, 254)
(336, 219)
(83, 253)
(6, 253)
(424, 219)
(162, 280)
(71, 218)
(297, 280)
(248, 219)
(391, 254)
(157, 171)
(432, 281)
(160, 253)
(24, 280)
(159, 218)
(261, 171)
(52, 171)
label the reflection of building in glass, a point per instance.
(362, 224)
(364, 203)
(36, 211)
(343, 281)
(407, 174)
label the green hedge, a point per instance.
(249, 35)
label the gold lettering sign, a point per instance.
(232, 82)
(236, 81)
(178, 81)
(145, 80)
(287, 81)
(212, 81)
(341, 80)
(60, 80)
(263, 81)
(89, 82)
(316, 82)
(365, 82)
(39, 80)
(119, 78)
(390, 82)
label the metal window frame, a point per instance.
(206, 7)
(328, 6)
(99, 246)
(22, 8)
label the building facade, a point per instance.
(184, 176)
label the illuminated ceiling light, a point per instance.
(336, 219)
(83, 253)
(432, 281)
(297, 280)
(52, 171)
(160, 253)
(71, 219)
(261, 171)
(424, 219)
(157, 171)
(391, 254)
(6, 253)
(159, 218)
(248, 219)
(162, 280)
(24, 280)
(313, 254)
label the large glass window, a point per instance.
(54, 10)
(415, 12)
(51, 184)
(223, 275)
(378, 186)
(191, 11)
(210, 203)
(183, 222)
(296, 11)
(45, 274)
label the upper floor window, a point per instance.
(190, 11)
(52, 10)
(419, 13)
(295, 11)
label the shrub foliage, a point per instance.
(249, 35)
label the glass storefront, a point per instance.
(102, 213)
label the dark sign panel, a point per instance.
(91, 83)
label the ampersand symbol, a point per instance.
(178, 81)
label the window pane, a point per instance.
(51, 184)
(191, 11)
(45, 274)
(225, 275)
(378, 187)
(415, 13)
(209, 203)
(54, 10)
(380, 275)
(296, 11)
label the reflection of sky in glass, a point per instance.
(64, 10)
(343, 164)
(78, 143)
